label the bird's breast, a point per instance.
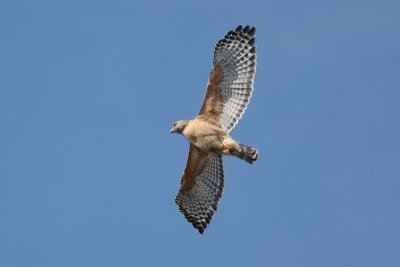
(203, 136)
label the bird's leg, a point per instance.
(226, 151)
(230, 146)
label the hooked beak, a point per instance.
(172, 130)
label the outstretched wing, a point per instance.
(230, 84)
(201, 187)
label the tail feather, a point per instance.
(247, 153)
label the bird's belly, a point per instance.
(207, 143)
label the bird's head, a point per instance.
(179, 126)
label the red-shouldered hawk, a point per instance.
(229, 89)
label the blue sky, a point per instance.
(88, 170)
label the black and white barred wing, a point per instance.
(201, 189)
(235, 54)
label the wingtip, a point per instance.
(252, 31)
(249, 30)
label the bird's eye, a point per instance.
(175, 124)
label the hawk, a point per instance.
(229, 89)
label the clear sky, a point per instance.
(88, 170)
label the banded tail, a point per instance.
(247, 153)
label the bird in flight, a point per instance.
(229, 89)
